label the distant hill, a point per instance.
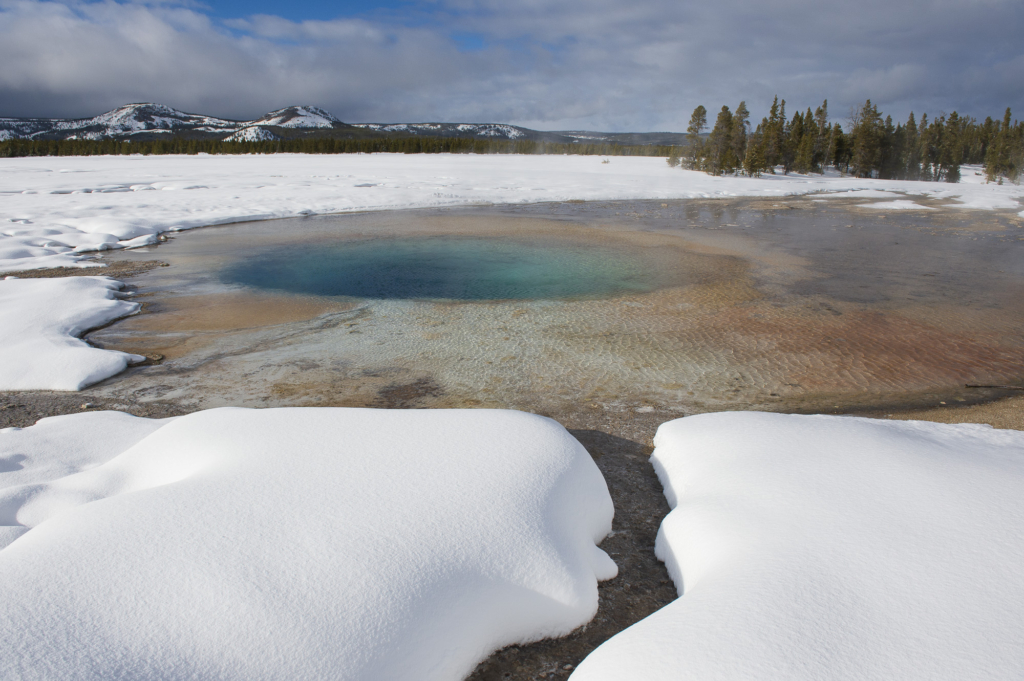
(148, 121)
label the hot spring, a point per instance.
(795, 304)
(449, 268)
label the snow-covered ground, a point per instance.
(55, 209)
(821, 547)
(899, 204)
(40, 324)
(292, 543)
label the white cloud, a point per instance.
(601, 64)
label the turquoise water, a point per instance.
(447, 268)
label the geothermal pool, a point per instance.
(450, 268)
(803, 304)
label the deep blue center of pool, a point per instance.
(459, 268)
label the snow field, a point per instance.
(821, 547)
(57, 209)
(293, 543)
(40, 324)
(899, 204)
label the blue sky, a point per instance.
(300, 11)
(547, 64)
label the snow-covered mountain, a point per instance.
(298, 117)
(149, 121)
(134, 118)
(453, 129)
(126, 121)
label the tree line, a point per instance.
(320, 145)
(929, 149)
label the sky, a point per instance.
(606, 65)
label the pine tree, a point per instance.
(931, 149)
(976, 139)
(951, 148)
(843, 149)
(794, 133)
(888, 157)
(741, 128)
(823, 143)
(867, 141)
(754, 162)
(698, 124)
(804, 161)
(774, 127)
(997, 160)
(720, 156)
(1015, 155)
(911, 156)
(811, 131)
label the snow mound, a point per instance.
(818, 547)
(24, 246)
(299, 543)
(40, 324)
(252, 134)
(59, 446)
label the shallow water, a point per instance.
(687, 306)
(449, 268)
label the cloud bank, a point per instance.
(600, 64)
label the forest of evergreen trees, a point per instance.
(874, 147)
(320, 145)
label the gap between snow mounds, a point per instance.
(301, 543)
(820, 547)
(41, 321)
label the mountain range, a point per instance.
(148, 121)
